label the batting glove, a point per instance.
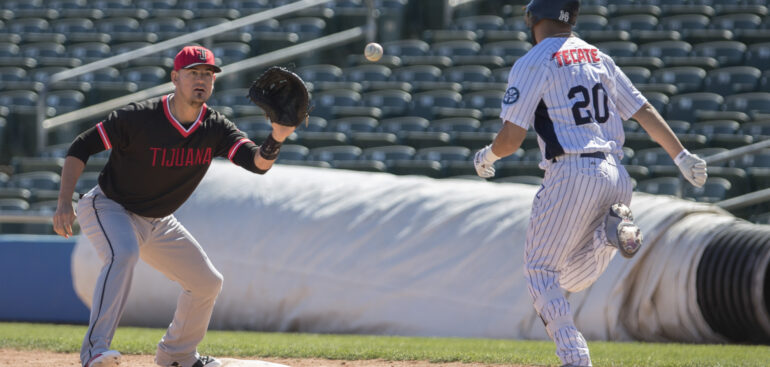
(484, 161)
(693, 167)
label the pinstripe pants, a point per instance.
(566, 246)
(120, 238)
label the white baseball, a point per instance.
(373, 51)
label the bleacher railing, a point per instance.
(44, 124)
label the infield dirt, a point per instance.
(33, 358)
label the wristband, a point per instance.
(679, 157)
(270, 148)
(489, 156)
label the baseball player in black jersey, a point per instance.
(161, 149)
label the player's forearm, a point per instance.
(262, 163)
(508, 140)
(70, 173)
(661, 133)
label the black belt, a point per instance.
(600, 155)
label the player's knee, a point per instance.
(211, 284)
(126, 258)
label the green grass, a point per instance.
(67, 338)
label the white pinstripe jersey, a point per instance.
(573, 94)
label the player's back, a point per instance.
(581, 98)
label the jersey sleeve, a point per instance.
(629, 99)
(236, 147)
(526, 86)
(105, 135)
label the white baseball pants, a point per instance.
(120, 238)
(566, 244)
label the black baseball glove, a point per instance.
(282, 95)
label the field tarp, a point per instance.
(332, 251)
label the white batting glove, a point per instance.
(484, 161)
(693, 167)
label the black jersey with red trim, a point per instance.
(156, 162)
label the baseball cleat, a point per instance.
(109, 358)
(203, 362)
(622, 232)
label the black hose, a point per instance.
(733, 283)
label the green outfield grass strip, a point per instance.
(128, 340)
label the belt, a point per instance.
(600, 155)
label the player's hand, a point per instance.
(484, 161)
(281, 132)
(693, 168)
(63, 219)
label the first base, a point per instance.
(230, 362)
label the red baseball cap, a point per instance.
(192, 56)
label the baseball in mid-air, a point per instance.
(373, 51)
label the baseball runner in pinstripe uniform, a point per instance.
(161, 149)
(576, 99)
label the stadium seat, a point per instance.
(657, 100)
(389, 153)
(617, 10)
(467, 73)
(509, 50)
(89, 51)
(164, 27)
(322, 73)
(417, 73)
(634, 22)
(230, 52)
(15, 193)
(443, 154)
(637, 74)
(728, 53)
(335, 153)
(473, 140)
(684, 22)
(455, 124)
(13, 204)
(679, 126)
(313, 139)
(716, 127)
(515, 168)
(759, 129)
(618, 48)
(392, 102)
(686, 78)
(145, 76)
(45, 180)
(639, 140)
(684, 106)
(749, 102)
(63, 101)
(425, 103)
(589, 22)
(72, 25)
(663, 49)
(478, 22)
(293, 152)
(353, 124)
(441, 35)
(695, 141)
(416, 167)
(327, 101)
(736, 21)
(638, 173)
(758, 55)
(661, 186)
(407, 47)
(729, 141)
(27, 25)
(684, 8)
(307, 28)
(759, 177)
(404, 123)
(455, 48)
(425, 139)
(651, 157)
(732, 80)
(372, 139)
(715, 189)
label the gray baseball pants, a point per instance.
(120, 238)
